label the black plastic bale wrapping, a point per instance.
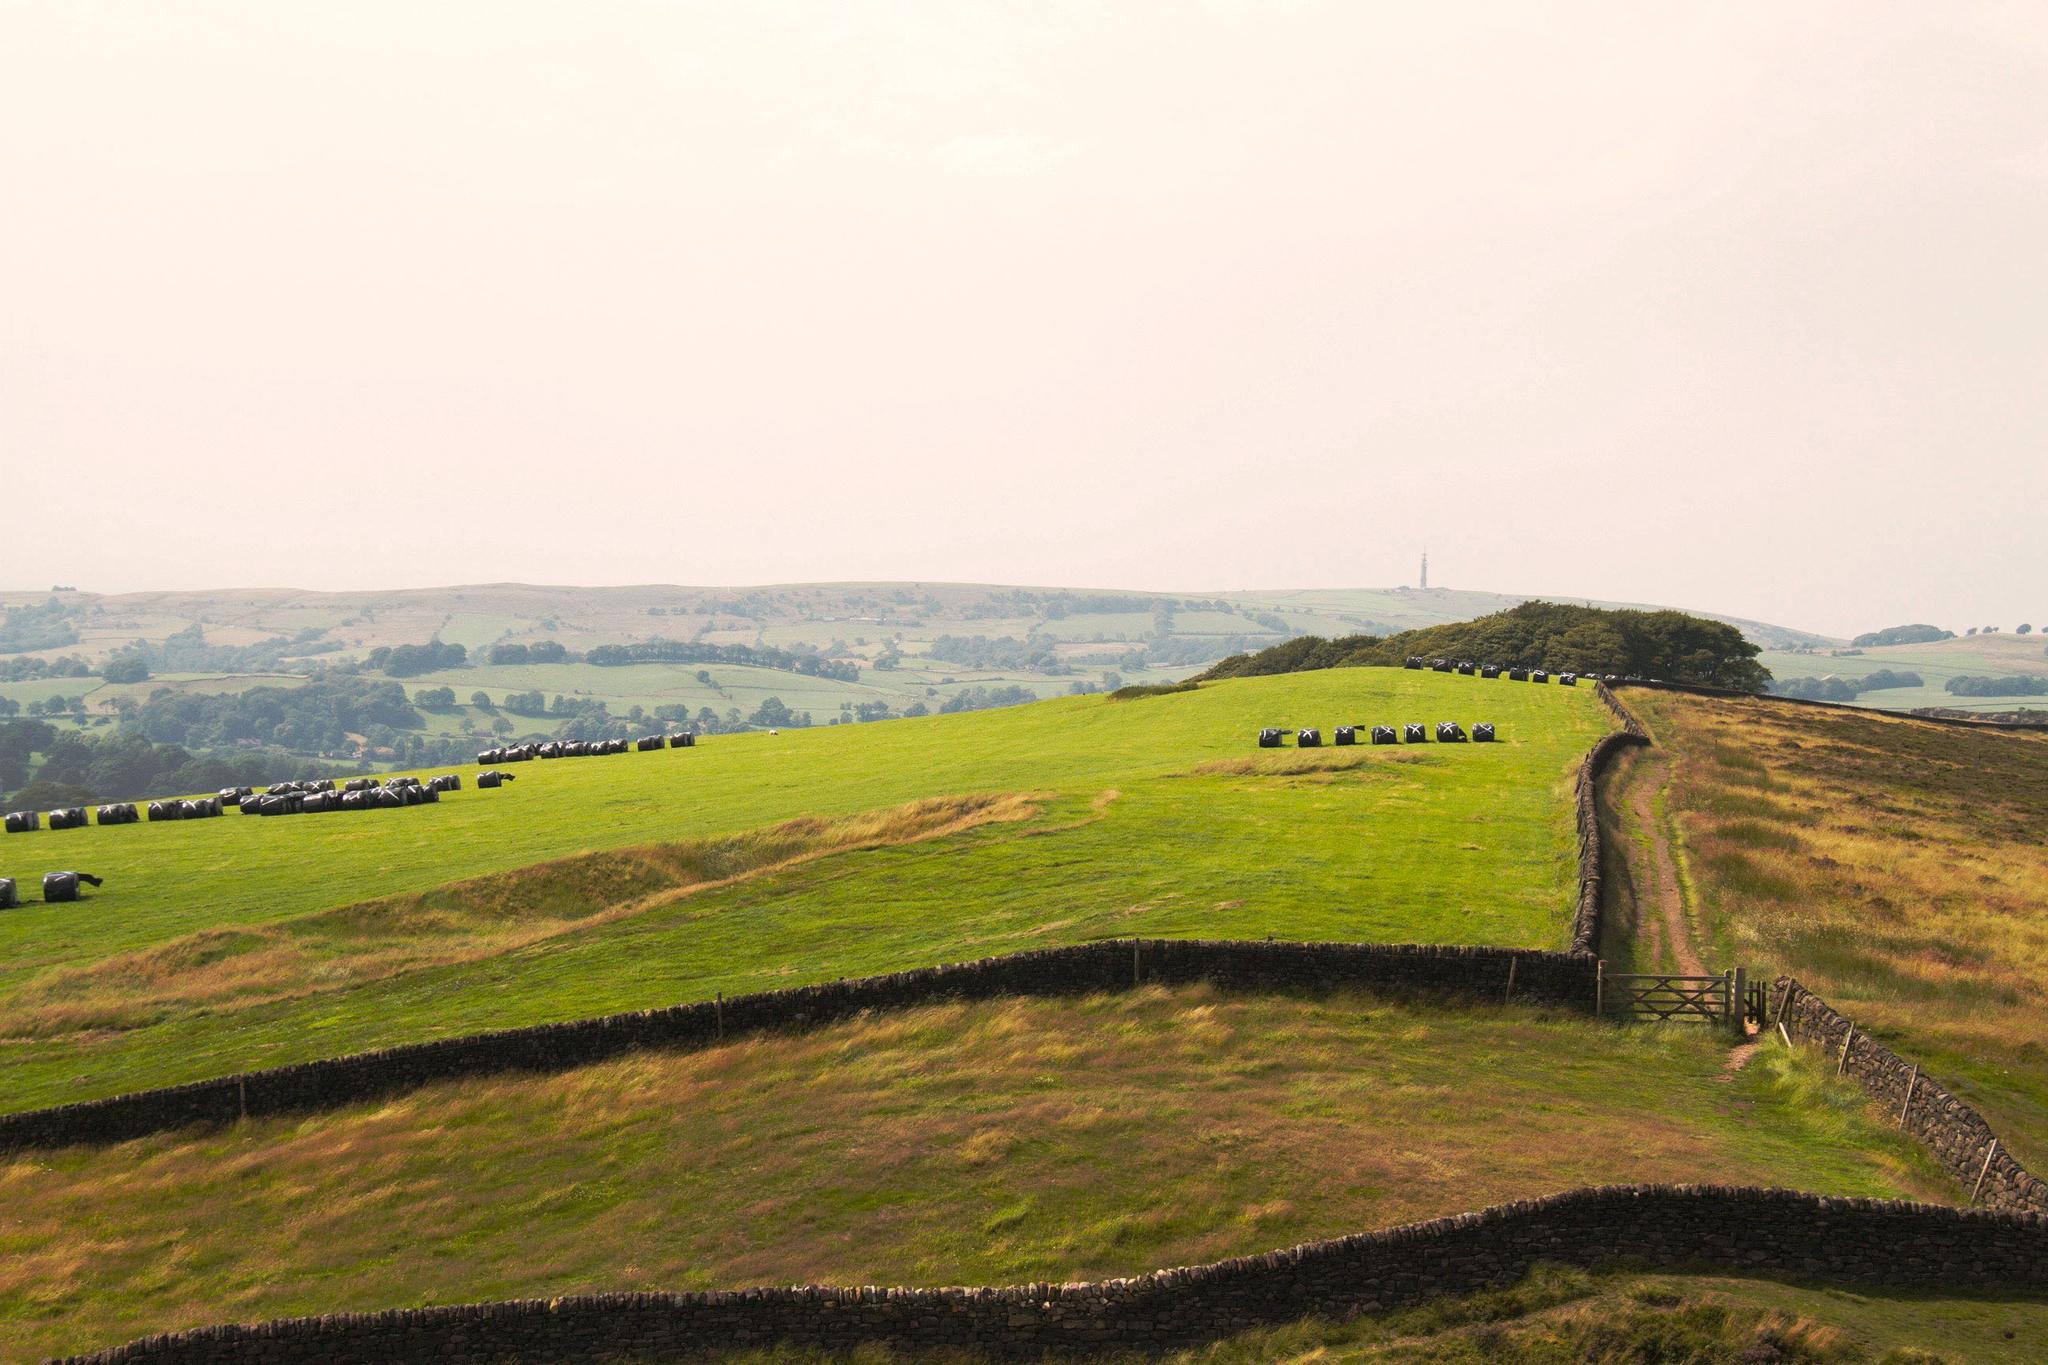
(165, 810)
(1415, 732)
(1467, 669)
(1309, 739)
(1384, 734)
(1413, 661)
(1518, 675)
(1441, 666)
(485, 781)
(9, 897)
(1568, 680)
(23, 821)
(1482, 733)
(648, 744)
(1489, 670)
(1538, 675)
(1345, 734)
(682, 741)
(71, 817)
(1269, 738)
(59, 887)
(1449, 732)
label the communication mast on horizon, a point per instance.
(1425, 567)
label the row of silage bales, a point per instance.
(581, 748)
(1414, 732)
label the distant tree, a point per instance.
(547, 652)
(481, 700)
(435, 698)
(704, 677)
(1971, 631)
(916, 708)
(126, 668)
(772, 713)
(2024, 629)
(509, 654)
(2023, 685)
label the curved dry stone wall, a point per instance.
(1586, 807)
(1387, 969)
(1660, 1227)
(1956, 1134)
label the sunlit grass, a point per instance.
(995, 1143)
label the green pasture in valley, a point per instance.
(224, 944)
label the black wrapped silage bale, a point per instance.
(491, 778)
(1567, 680)
(1489, 670)
(9, 897)
(647, 744)
(1539, 675)
(1518, 675)
(1468, 669)
(166, 810)
(22, 821)
(1449, 732)
(1308, 739)
(59, 887)
(70, 817)
(1412, 661)
(117, 813)
(682, 741)
(1482, 733)
(1440, 665)
(1415, 732)
(1384, 734)
(1269, 738)
(1344, 734)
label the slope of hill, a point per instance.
(1894, 866)
(998, 1143)
(224, 944)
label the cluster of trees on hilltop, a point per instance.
(539, 652)
(1005, 653)
(316, 718)
(31, 669)
(79, 769)
(1652, 644)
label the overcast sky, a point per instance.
(1741, 307)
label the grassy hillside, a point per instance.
(1002, 1142)
(2003, 655)
(1895, 867)
(239, 942)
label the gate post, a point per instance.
(1738, 1002)
(1599, 988)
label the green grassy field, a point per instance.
(1894, 866)
(221, 945)
(992, 1143)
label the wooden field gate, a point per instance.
(1727, 999)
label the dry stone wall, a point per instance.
(1956, 1135)
(1586, 914)
(1389, 969)
(1755, 1232)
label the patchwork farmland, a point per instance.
(1007, 1140)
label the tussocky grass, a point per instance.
(999, 1142)
(1897, 868)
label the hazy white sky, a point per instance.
(1742, 307)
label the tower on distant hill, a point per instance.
(1425, 569)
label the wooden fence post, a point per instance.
(1784, 1002)
(1847, 1039)
(1600, 988)
(1505, 999)
(1738, 1001)
(1911, 1084)
(1989, 1152)
(1134, 962)
(242, 1090)
(718, 1013)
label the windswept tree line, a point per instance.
(1649, 644)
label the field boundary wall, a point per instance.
(1535, 977)
(1657, 1227)
(1730, 694)
(1955, 1134)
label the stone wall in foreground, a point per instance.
(1756, 1232)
